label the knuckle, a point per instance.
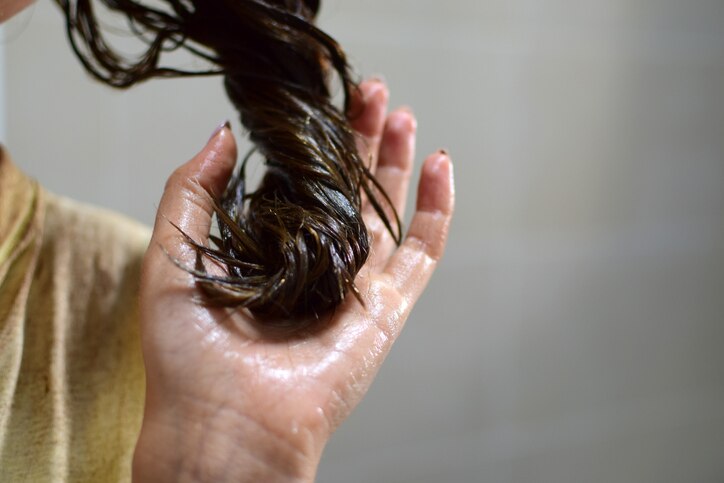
(377, 230)
(432, 245)
(182, 180)
(176, 179)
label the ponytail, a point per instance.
(293, 247)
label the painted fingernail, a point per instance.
(224, 125)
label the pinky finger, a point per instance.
(414, 261)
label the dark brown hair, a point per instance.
(293, 246)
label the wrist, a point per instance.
(221, 447)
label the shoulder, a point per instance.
(69, 316)
(93, 255)
(90, 230)
(86, 285)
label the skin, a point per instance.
(226, 399)
(229, 401)
(8, 8)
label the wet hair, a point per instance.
(292, 247)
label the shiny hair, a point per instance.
(292, 247)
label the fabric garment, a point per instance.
(71, 374)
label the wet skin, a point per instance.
(228, 400)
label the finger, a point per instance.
(414, 261)
(187, 198)
(367, 117)
(394, 168)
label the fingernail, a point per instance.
(378, 78)
(443, 161)
(438, 161)
(224, 125)
(375, 90)
(402, 121)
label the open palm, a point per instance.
(228, 399)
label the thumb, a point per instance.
(187, 198)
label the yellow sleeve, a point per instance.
(71, 374)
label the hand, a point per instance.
(228, 400)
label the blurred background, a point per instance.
(574, 331)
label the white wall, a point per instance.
(574, 332)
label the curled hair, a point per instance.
(293, 246)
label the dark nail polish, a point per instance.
(219, 128)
